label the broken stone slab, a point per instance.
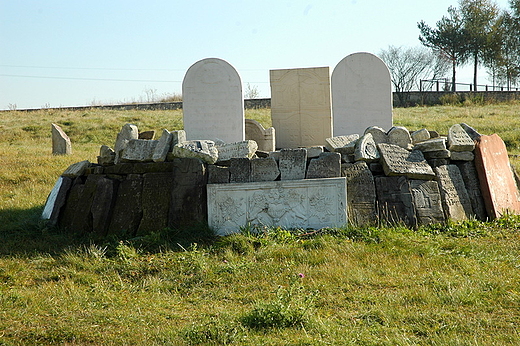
(265, 138)
(469, 175)
(474, 135)
(76, 169)
(399, 135)
(459, 140)
(204, 150)
(420, 136)
(292, 164)
(264, 169)
(455, 198)
(239, 170)
(164, 146)
(60, 141)
(56, 200)
(497, 182)
(313, 152)
(243, 149)
(361, 193)
(138, 150)
(366, 149)
(218, 174)
(437, 154)
(106, 156)
(348, 142)
(426, 199)
(434, 144)
(327, 165)
(179, 136)
(128, 132)
(398, 161)
(378, 134)
(462, 156)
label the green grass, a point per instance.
(455, 284)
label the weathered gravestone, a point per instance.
(264, 169)
(455, 198)
(60, 141)
(127, 133)
(163, 147)
(459, 140)
(307, 203)
(327, 165)
(213, 104)
(239, 170)
(204, 150)
(397, 161)
(265, 138)
(399, 135)
(361, 193)
(56, 200)
(300, 106)
(292, 164)
(361, 94)
(155, 201)
(366, 149)
(244, 149)
(427, 202)
(470, 177)
(138, 150)
(127, 212)
(496, 178)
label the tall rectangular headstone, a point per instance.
(361, 94)
(315, 204)
(496, 178)
(470, 177)
(361, 193)
(213, 104)
(455, 198)
(300, 106)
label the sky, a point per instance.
(86, 52)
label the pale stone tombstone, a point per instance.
(265, 138)
(204, 150)
(213, 104)
(245, 149)
(399, 135)
(377, 133)
(128, 132)
(300, 106)
(459, 140)
(361, 193)
(420, 136)
(397, 161)
(361, 94)
(138, 150)
(60, 141)
(455, 198)
(307, 203)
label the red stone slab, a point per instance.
(496, 178)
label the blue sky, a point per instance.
(81, 52)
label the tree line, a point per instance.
(476, 32)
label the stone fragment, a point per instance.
(327, 165)
(347, 142)
(462, 156)
(400, 136)
(204, 150)
(315, 151)
(60, 141)
(394, 200)
(146, 135)
(76, 169)
(497, 182)
(264, 169)
(56, 200)
(438, 162)
(474, 135)
(434, 144)
(265, 138)
(138, 150)
(106, 156)
(426, 199)
(459, 140)
(244, 149)
(434, 134)
(472, 184)
(420, 136)
(437, 154)
(127, 211)
(361, 193)
(128, 132)
(292, 164)
(155, 201)
(179, 136)
(455, 198)
(218, 174)
(164, 146)
(287, 203)
(366, 149)
(377, 133)
(240, 170)
(397, 161)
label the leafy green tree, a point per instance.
(447, 39)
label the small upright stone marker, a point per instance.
(292, 164)
(400, 136)
(164, 146)
(60, 141)
(455, 198)
(265, 138)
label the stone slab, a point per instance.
(218, 174)
(264, 169)
(399, 135)
(127, 211)
(327, 165)
(56, 200)
(155, 201)
(301, 106)
(462, 156)
(420, 136)
(212, 102)
(470, 177)
(394, 200)
(307, 204)
(427, 202)
(164, 146)
(292, 164)
(433, 144)
(61, 144)
(76, 169)
(265, 138)
(338, 142)
(244, 149)
(138, 150)
(497, 182)
(361, 94)
(377, 133)
(204, 150)
(459, 140)
(313, 152)
(102, 205)
(106, 156)
(366, 149)
(455, 198)
(361, 193)
(128, 132)
(471, 132)
(397, 161)
(239, 170)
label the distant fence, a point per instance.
(444, 84)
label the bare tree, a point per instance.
(408, 65)
(251, 92)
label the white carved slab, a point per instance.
(306, 203)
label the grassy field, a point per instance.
(457, 284)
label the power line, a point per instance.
(92, 79)
(93, 68)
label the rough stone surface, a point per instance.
(292, 164)
(106, 156)
(240, 170)
(469, 175)
(265, 138)
(471, 132)
(459, 140)
(289, 204)
(361, 94)
(102, 205)
(218, 174)
(338, 142)
(146, 135)
(361, 193)
(264, 169)
(156, 196)
(244, 149)
(204, 150)
(437, 154)
(377, 133)
(76, 169)
(397, 161)
(56, 200)
(301, 106)
(60, 141)
(400, 136)
(315, 151)
(420, 136)
(497, 182)
(164, 146)
(213, 104)
(426, 199)
(179, 136)
(462, 156)
(138, 150)
(434, 144)
(394, 200)
(128, 132)
(455, 198)
(327, 165)
(127, 211)
(366, 149)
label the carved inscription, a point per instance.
(455, 198)
(397, 161)
(361, 193)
